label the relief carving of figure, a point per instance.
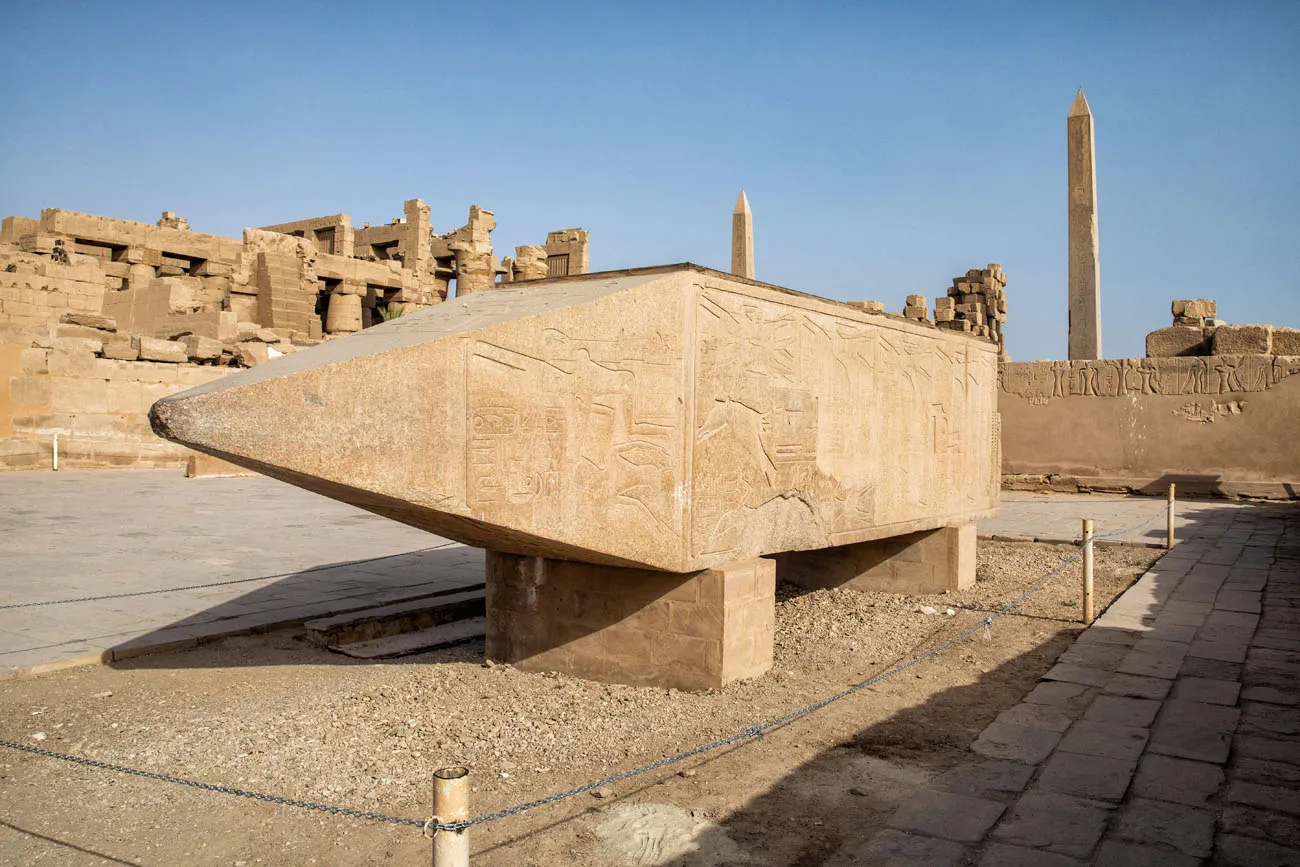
(1060, 378)
(1227, 370)
(1150, 376)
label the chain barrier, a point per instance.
(222, 583)
(753, 731)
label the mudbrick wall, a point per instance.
(1214, 425)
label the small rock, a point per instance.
(928, 609)
(689, 772)
(105, 694)
(602, 792)
(950, 612)
(860, 792)
(40, 736)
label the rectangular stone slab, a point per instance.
(672, 418)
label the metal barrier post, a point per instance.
(451, 804)
(1169, 518)
(1087, 571)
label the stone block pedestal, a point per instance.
(929, 561)
(696, 630)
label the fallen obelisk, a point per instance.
(628, 445)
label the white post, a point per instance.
(1169, 519)
(56, 453)
(451, 804)
(1087, 571)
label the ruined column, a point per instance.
(1085, 277)
(530, 262)
(472, 246)
(344, 313)
(742, 239)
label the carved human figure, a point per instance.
(1150, 376)
(1227, 370)
(1060, 378)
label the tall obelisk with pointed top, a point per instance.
(742, 239)
(1085, 273)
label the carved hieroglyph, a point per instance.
(1041, 382)
(672, 418)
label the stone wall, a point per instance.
(98, 406)
(1221, 425)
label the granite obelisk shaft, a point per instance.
(1085, 275)
(742, 239)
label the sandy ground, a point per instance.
(271, 714)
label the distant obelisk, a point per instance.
(742, 239)
(1085, 273)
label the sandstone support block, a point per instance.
(931, 561)
(343, 314)
(1177, 341)
(1243, 340)
(699, 630)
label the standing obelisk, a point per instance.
(1085, 274)
(742, 239)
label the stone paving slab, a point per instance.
(1168, 734)
(74, 534)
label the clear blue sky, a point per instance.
(886, 148)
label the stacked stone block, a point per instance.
(1196, 332)
(977, 304)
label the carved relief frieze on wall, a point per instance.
(1040, 382)
(813, 426)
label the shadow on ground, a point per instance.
(320, 591)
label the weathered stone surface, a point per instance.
(1086, 776)
(89, 320)
(252, 353)
(1286, 341)
(152, 349)
(891, 848)
(1243, 340)
(1177, 340)
(1181, 780)
(1055, 822)
(1202, 308)
(1028, 744)
(700, 630)
(201, 348)
(948, 815)
(343, 314)
(671, 418)
(1188, 829)
(983, 778)
(868, 306)
(122, 350)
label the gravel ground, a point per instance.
(271, 714)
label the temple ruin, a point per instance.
(99, 317)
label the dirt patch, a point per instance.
(271, 714)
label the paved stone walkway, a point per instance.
(1168, 734)
(1056, 517)
(73, 534)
